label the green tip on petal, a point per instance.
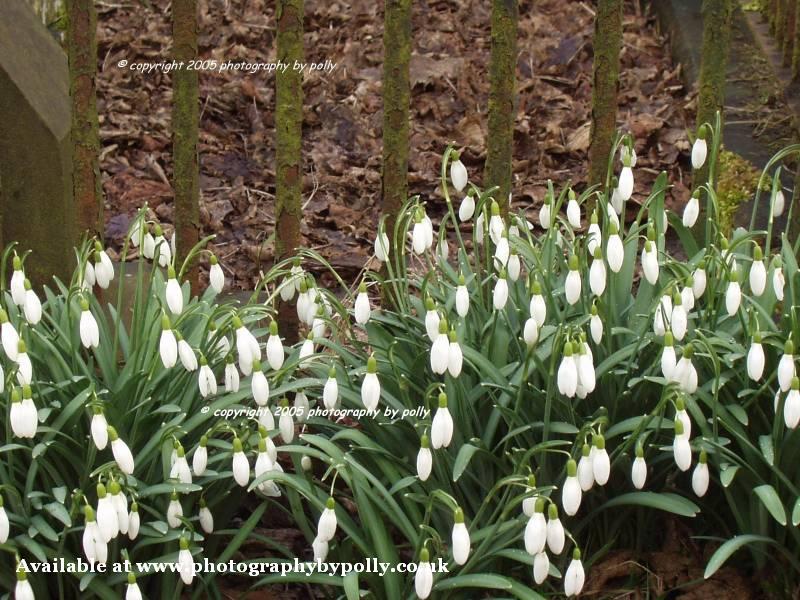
(573, 263)
(112, 433)
(669, 339)
(788, 347)
(165, 324)
(688, 351)
(458, 515)
(88, 512)
(795, 383)
(531, 480)
(680, 404)
(453, 336)
(131, 579)
(173, 496)
(21, 347)
(586, 450)
(114, 488)
(703, 457)
(572, 468)
(599, 442)
(184, 543)
(442, 400)
(443, 326)
(17, 263)
(15, 395)
(576, 554)
(170, 272)
(372, 364)
(495, 208)
(27, 392)
(424, 556)
(424, 442)
(101, 490)
(552, 512)
(702, 132)
(539, 506)
(430, 304)
(237, 445)
(330, 503)
(639, 451)
(332, 372)
(678, 427)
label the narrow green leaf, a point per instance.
(725, 551)
(667, 502)
(769, 498)
(351, 586)
(462, 460)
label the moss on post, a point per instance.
(789, 32)
(502, 99)
(780, 21)
(185, 124)
(796, 43)
(607, 45)
(85, 135)
(396, 101)
(288, 143)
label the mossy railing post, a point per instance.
(396, 102)
(288, 144)
(81, 41)
(713, 69)
(789, 32)
(185, 125)
(502, 99)
(780, 21)
(607, 46)
(796, 43)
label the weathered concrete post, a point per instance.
(36, 201)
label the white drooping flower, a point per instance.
(301, 406)
(462, 298)
(597, 273)
(122, 454)
(594, 236)
(133, 522)
(424, 459)
(442, 425)
(536, 530)
(700, 476)
(692, 210)
(259, 386)
(180, 468)
(627, 152)
(88, 329)
(786, 368)
(185, 562)
(232, 380)
(699, 149)
(615, 252)
(501, 253)
(699, 280)
(778, 204)
(8, 336)
(639, 469)
(668, 358)
(168, 344)
(571, 493)
(625, 182)
(650, 262)
(132, 591)
(440, 350)
(361, 308)
(240, 465)
(545, 214)
(572, 285)
(480, 222)
(431, 320)
(206, 380)
(575, 576)
(685, 373)
(17, 286)
(758, 273)
(23, 416)
(200, 457)
(585, 470)
(107, 521)
(573, 211)
(32, 306)
(755, 358)
(541, 567)
(382, 246)
(5, 526)
(371, 386)
(185, 353)
(458, 172)
(778, 279)
(530, 332)
(529, 502)
(266, 461)
(95, 547)
(320, 549)
(419, 237)
(681, 450)
(683, 417)
(173, 293)
(791, 406)
(500, 293)
(467, 208)
(423, 579)
(555, 530)
(216, 276)
(601, 463)
(538, 306)
(161, 248)
(568, 373)
(460, 538)
(679, 321)
(326, 526)
(247, 347)
(585, 364)
(330, 392)
(596, 326)
(496, 226)
(733, 294)
(455, 357)
(662, 315)
(174, 511)
(24, 364)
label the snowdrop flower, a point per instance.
(23, 589)
(692, 210)
(462, 298)
(382, 245)
(585, 469)
(8, 336)
(180, 468)
(500, 293)
(467, 207)
(326, 526)
(259, 386)
(700, 476)
(568, 373)
(440, 350)
(758, 272)
(786, 369)
(614, 206)
(107, 521)
(231, 376)
(597, 273)
(23, 416)
(733, 295)
(330, 392)
(301, 406)
(791, 405)
(185, 562)
(541, 567)
(318, 324)
(683, 417)
(173, 293)
(148, 245)
(572, 285)
(596, 325)
(529, 502)
(662, 312)
(555, 530)
(24, 365)
(496, 225)
(266, 463)
(455, 358)
(685, 373)
(285, 422)
(103, 267)
(681, 450)
(32, 306)
(501, 252)
(538, 307)
(320, 549)
(458, 172)
(536, 530)
(778, 279)
(571, 492)
(200, 457)
(699, 280)
(4, 524)
(668, 358)
(585, 364)
(545, 213)
(206, 380)
(479, 227)
(573, 211)
(168, 344)
(133, 522)
(371, 386)
(419, 235)
(594, 237)
(461, 541)
(626, 180)
(361, 309)
(94, 546)
(241, 468)
(132, 591)
(303, 302)
(699, 149)
(442, 425)
(627, 152)
(122, 454)
(679, 321)
(17, 286)
(431, 319)
(650, 261)
(306, 350)
(174, 511)
(247, 347)
(424, 459)
(615, 252)
(423, 579)
(687, 295)
(161, 248)
(601, 464)
(575, 577)
(99, 429)
(530, 332)
(778, 204)
(216, 277)
(639, 469)
(186, 354)
(88, 329)
(755, 358)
